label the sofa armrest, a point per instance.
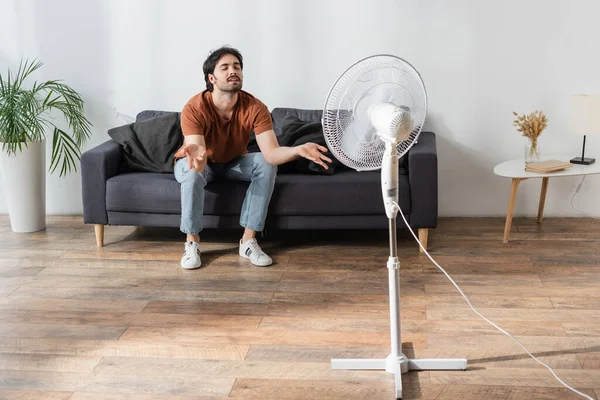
(423, 179)
(97, 166)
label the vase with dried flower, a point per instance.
(531, 127)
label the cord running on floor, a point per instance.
(481, 315)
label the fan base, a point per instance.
(400, 366)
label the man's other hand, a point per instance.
(313, 152)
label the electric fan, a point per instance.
(373, 115)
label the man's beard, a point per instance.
(228, 87)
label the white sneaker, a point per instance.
(252, 251)
(191, 256)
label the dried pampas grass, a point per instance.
(532, 125)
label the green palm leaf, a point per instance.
(24, 116)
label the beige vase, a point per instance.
(23, 179)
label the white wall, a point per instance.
(479, 60)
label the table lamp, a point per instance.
(584, 119)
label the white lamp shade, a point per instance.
(584, 115)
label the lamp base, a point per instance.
(583, 161)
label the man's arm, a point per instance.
(277, 155)
(193, 128)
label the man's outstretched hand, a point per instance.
(312, 152)
(196, 156)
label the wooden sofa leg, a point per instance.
(423, 234)
(99, 229)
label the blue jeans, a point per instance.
(250, 167)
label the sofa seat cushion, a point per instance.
(161, 194)
(344, 193)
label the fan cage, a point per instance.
(381, 78)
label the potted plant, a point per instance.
(25, 119)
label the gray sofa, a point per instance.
(346, 199)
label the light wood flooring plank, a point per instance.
(125, 383)
(144, 294)
(514, 314)
(17, 303)
(579, 379)
(479, 392)
(244, 336)
(31, 330)
(313, 389)
(128, 319)
(121, 348)
(46, 362)
(137, 396)
(34, 395)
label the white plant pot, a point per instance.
(24, 185)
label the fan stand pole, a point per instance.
(396, 362)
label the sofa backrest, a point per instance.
(277, 115)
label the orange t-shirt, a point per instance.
(226, 139)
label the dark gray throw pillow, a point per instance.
(149, 145)
(295, 132)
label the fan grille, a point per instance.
(348, 132)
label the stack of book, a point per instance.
(544, 167)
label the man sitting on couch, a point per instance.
(216, 125)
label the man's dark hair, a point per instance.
(213, 58)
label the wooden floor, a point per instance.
(125, 322)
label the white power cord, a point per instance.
(481, 315)
(573, 197)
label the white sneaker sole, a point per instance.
(191, 266)
(257, 264)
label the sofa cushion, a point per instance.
(143, 192)
(279, 115)
(147, 114)
(296, 133)
(344, 193)
(149, 144)
(161, 194)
